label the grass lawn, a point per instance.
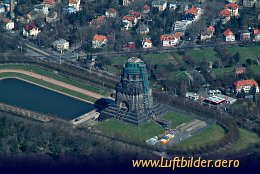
(251, 52)
(127, 131)
(49, 85)
(246, 138)
(255, 69)
(116, 64)
(177, 75)
(222, 71)
(54, 76)
(177, 118)
(162, 58)
(208, 136)
(203, 54)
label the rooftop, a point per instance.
(241, 83)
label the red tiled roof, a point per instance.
(73, 1)
(129, 18)
(241, 83)
(211, 29)
(228, 32)
(99, 38)
(193, 10)
(256, 31)
(225, 12)
(135, 14)
(169, 36)
(6, 20)
(146, 7)
(147, 40)
(98, 21)
(51, 2)
(29, 26)
(232, 6)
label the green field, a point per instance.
(222, 71)
(162, 58)
(255, 69)
(208, 136)
(49, 85)
(251, 52)
(127, 131)
(177, 118)
(116, 64)
(246, 138)
(203, 54)
(54, 76)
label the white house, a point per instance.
(61, 45)
(246, 85)
(147, 43)
(127, 2)
(170, 39)
(160, 4)
(229, 36)
(99, 41)
(8, 24)
(142, 29)
(30, 30)
(111, 13)
(129, 21)
(207, 34)
(75, 4)
(256, 34)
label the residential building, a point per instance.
(69, 10)
(98, 22)
(172, 5)
(256, 34)
(75, 4)
(170, 39)
(8, 24)
(196, 12)
(111, 13)
(228, 100)
(142, 29)
(245, 35)
(160, 4)
(233, 1)
(146, 42)
(225, 15)
(181, 26)
(229, 36)
(146, 9)
(127, 2)
(42, 8)
(129, 21)
(2, 8)
(246, 85)
(233, 8)
(99, 41)
(61, 45)
(49, 3)
(192, 96)
(52, 17)
(30, 30)
(207, 33)
(239, 70)
(136, 14)
(249, 3)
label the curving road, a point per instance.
(53, 81)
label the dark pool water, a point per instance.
(26, 95)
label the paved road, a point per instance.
(56, 82)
